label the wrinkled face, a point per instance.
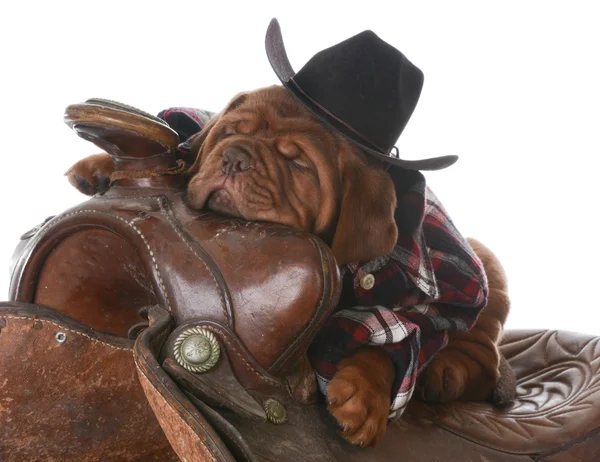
(267, 158)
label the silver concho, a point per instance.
(196, 349)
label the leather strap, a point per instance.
(178, 169)
(190, 434)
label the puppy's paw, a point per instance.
(92, 174)
(359, 404)
(444, 379)
(453, 375)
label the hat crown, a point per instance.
(363, 88)
(366, 83)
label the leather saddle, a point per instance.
(140, 329)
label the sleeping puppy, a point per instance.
(266, 158)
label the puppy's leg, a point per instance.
(471, 367)
(92, 174)
(359, 395)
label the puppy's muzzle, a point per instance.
(235, 160)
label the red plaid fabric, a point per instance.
(187, 122)
(432, 283)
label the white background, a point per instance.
(512, 87)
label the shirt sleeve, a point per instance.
(410, 337)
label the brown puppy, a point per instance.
(471, 368)
(265, 157)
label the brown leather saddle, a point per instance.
(140, 329)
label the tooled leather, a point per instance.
(558, 391)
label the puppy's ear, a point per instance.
(198, 142)
(366, 228)
(236, 102)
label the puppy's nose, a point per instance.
(235, 160)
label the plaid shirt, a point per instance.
(432, 283)
(405, 302)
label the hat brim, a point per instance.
(285, 73)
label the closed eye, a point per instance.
(299, 163)
(294, 156)
(228, 132)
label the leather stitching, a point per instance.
(95, 340)
(53, 223)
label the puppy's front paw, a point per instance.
(92, 174)
(359, 404)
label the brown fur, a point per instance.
(469, 367)
(359, 395)
(295, 171)
(92, 174)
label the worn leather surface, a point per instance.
(79, 400)
(245, 282)
(544, 363)
(189, 433)
(309, 434)
(558, 377)
(109, 280)
(584, 448)
(250, 280)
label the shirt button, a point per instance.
(367, 281)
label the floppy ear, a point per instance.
(366, 228)
(198, 142)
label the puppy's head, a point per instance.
(267, 158)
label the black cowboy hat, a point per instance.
(362, 87)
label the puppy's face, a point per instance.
(266, 158)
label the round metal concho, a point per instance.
(275, 411)
(196, 349)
